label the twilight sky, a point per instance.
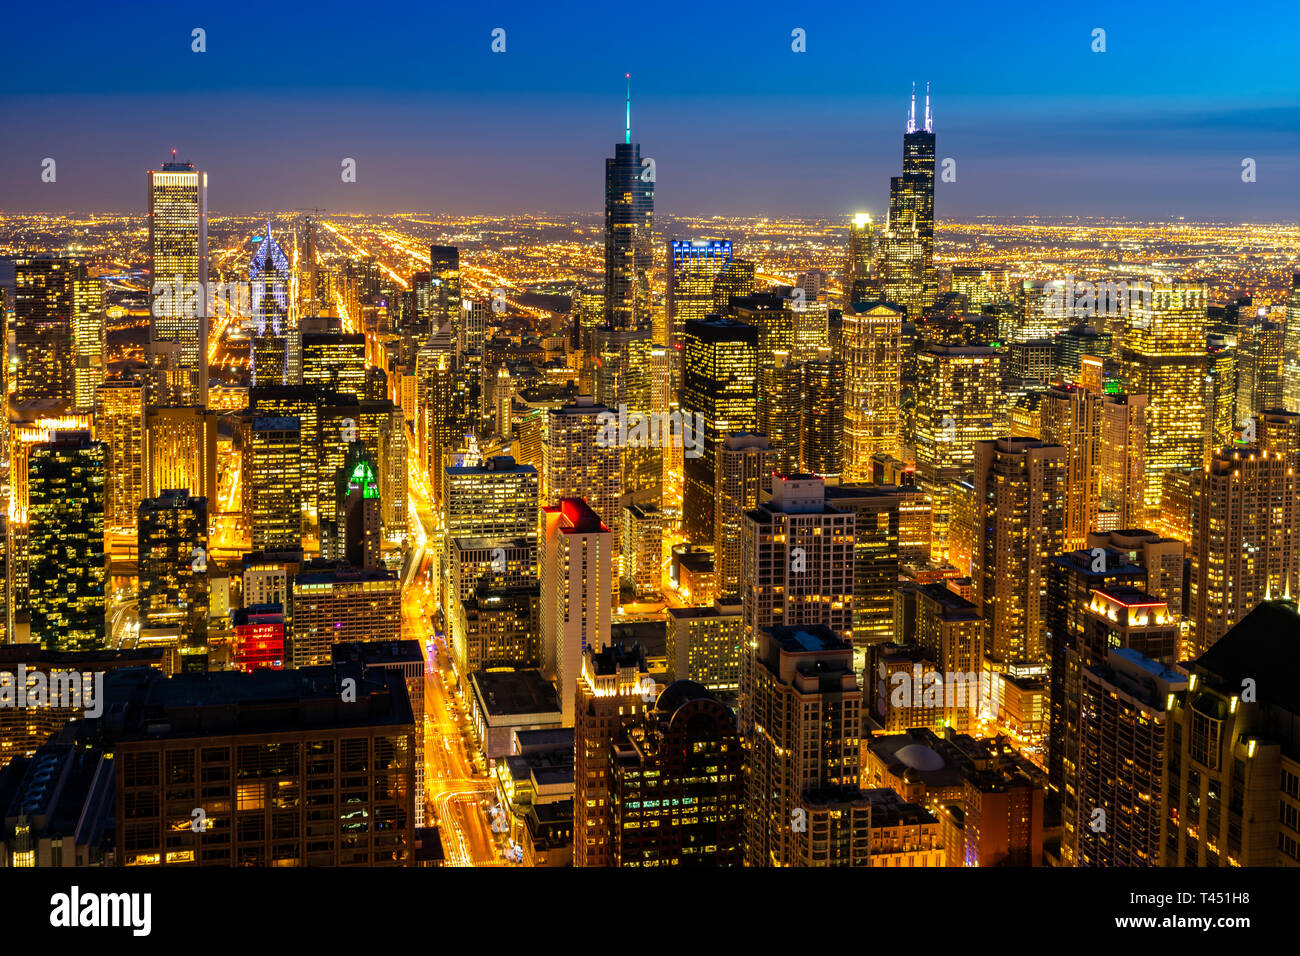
(738, 124)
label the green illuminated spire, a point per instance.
(627, 137)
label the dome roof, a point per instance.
(679, 692)
(919, 757)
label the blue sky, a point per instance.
(738, 124)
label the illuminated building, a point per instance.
(357, 519)
(797, 562)
(383, 430)
(1291, 348)
(629, 218)
(875, 556)
(737, 278)
(332, 605)
(178, 258)
(1121, 769)
(870, 344)
(1245, 543)
(273, 335)
(44, 292)
(259, 638)
(781, 412)
(607, 695)
(643, 559)
(227, 733)
(745, 463)
(1123, 627)
(325, 419)
(405, 658)
(576, 568)
(24, 729)
(88, 340)
(958, 404)
(704, 646)
(498, 626)
(1020, 507)
(494, 497)
(1122, 480)
(1161, 557)
(1073, 579)
(821, 442)
(719, 378)
(988, 797)
(335, 360)
(907, 248)
(1233, 771)
(274, 481)
(1070, 347)
(437, 432)
(623, 380)
(579, 466)
(181, 451)
(68, 566)
(444, 278)
(1072, 418)
(693, 268)
(173, 589)
(948, 632)
(859, 263)
(1164, 357)
(1220, 387)
(119, 424)
(803, 732)
(981, 285)
(1259, 367)
(676, 788)
(500, 562)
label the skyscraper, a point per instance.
(274, 479)
(579, 465)
(803, 734)
(744, 470)
(907, 262)
(181, 451)
(677, 790)
(1164, 358)
(69, 567)
(870, 345)
(1291, 348)
(629, 216)
(577, 567)
(822, 416)
(719, 385)
(607, 695)
(1020, 507)
(173, 590)
(1072, 418)
(1122, 482)
(357, 519)
(274, 338)
(119, 424)
(88, 339)
(797, 565)
(444, 277)
(1245, 545)
(693, 270)
(44, 292)
(860, 284)
(178, 258)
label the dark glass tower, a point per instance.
(270, 341)
(629, 213)
(908, 266)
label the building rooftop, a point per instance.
(511, 692)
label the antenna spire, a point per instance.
(627, 136)
(911, 114)
(929, 117)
